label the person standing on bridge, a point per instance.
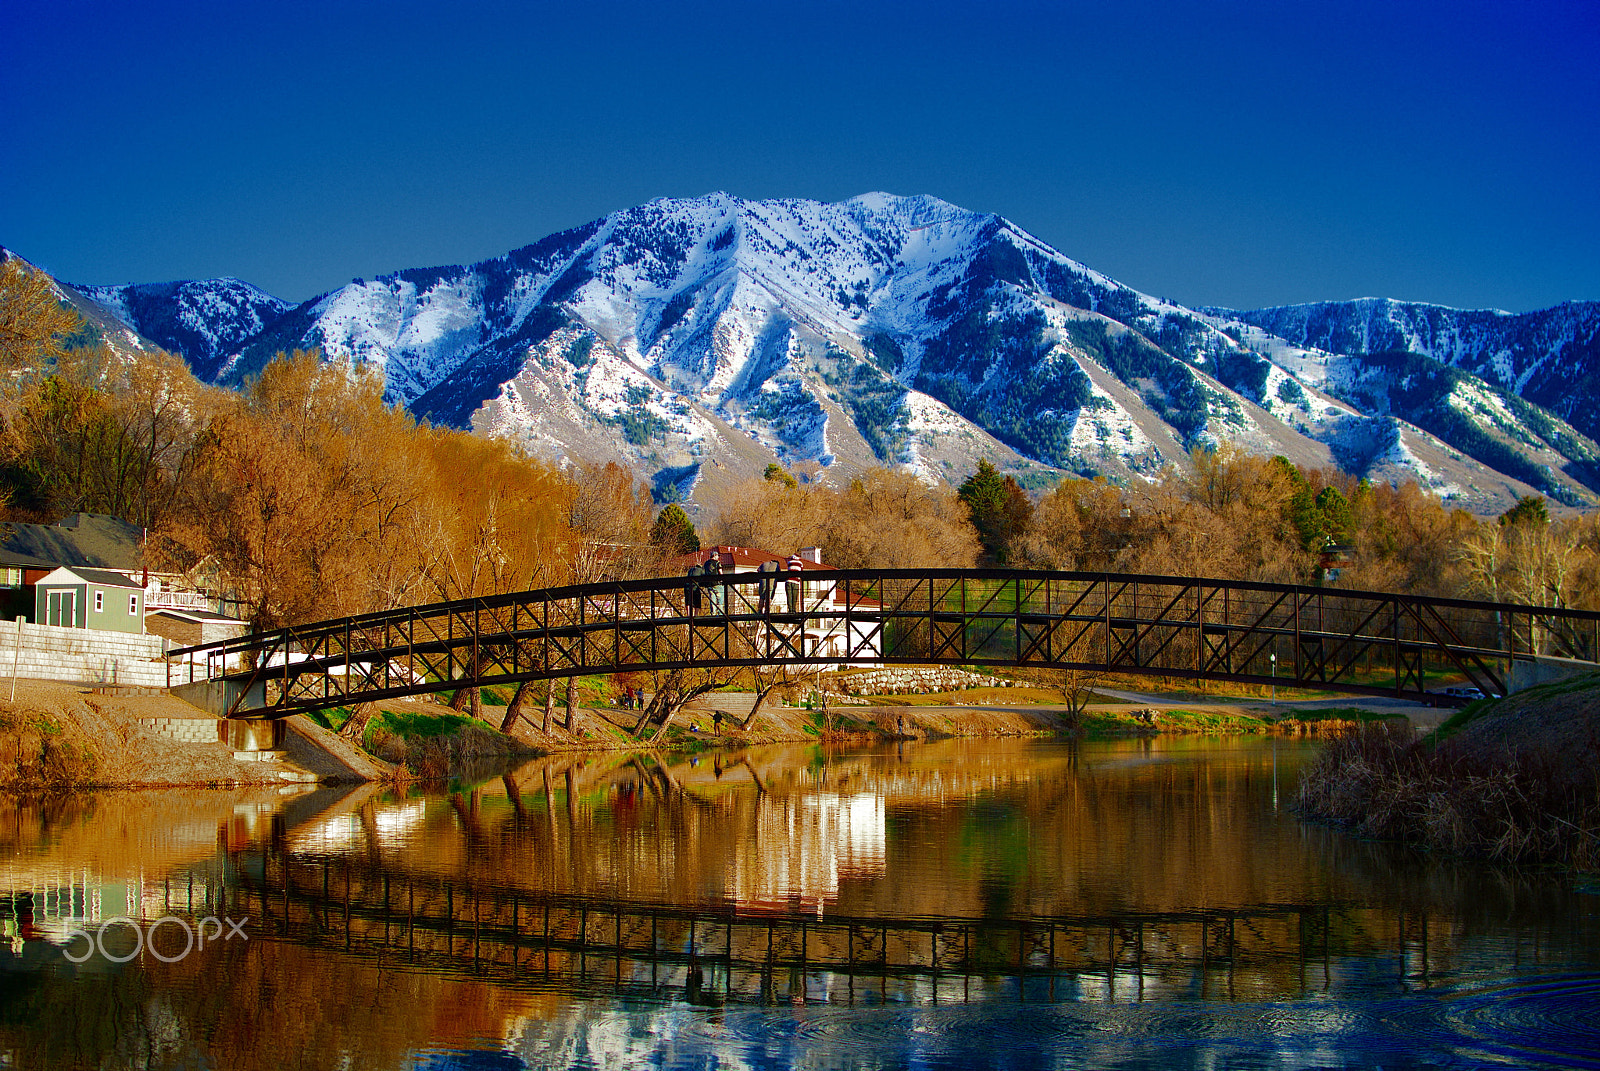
(691, 589)
(769, 581)
(796, 588)
(719, 592)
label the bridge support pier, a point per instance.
(261, 740)
(221, 697)
(1531, 672)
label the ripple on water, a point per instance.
(1545, 1022)
(882, 1029)
(980, 1036)
(1554, 1020)
(764, 1028)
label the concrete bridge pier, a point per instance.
(1531, 672)
(259, 740)
(256, 739)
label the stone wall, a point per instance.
(84, 656)
(916, 680)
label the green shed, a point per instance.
(90, 598)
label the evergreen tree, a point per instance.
(1333, 515)
(1530, 509)
(999, 508)
(673, 532)
(1300, 510)
(776, 473)
(1318, 519)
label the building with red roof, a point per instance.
(793, 591)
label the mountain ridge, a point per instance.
(1510, 349)
(696, 339)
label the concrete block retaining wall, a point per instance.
(85, 656)
(184, 730)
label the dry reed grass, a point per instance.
(1524, 805)
(1326, 727)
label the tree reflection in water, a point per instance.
(1148, 901)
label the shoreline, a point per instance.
(59, 737)
(1508, 780)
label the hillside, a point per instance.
(1509, 779)
(1484, 380)
(1557, 720)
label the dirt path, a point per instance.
(1420, 716)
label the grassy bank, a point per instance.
(916, 719)
(39, 751)
(1513, 780)
(430, 744)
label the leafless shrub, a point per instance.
(1517, 806)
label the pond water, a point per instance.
(951, 904)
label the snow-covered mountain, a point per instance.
(1550, 358)
(699, 339)
(205, 321)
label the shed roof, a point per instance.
(105, 578)
(187, 614)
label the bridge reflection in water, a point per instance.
(716, 956)
(1088, 901)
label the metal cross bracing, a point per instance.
(1359, 642)
(730, 953)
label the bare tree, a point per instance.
(782, 678)
(33, 321)
(674, 689)
(1076, 688)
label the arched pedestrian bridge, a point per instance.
(1358, 642)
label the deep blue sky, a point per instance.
(1216, 153)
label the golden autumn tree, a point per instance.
(304, 495)
(491, 523)
(883, 519)
(33, 321)
(892, 520)
(106, 433)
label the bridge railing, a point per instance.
(1355, 641)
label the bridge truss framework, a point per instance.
(1358, 642)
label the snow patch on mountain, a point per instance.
(204, 320)
(416, 336)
